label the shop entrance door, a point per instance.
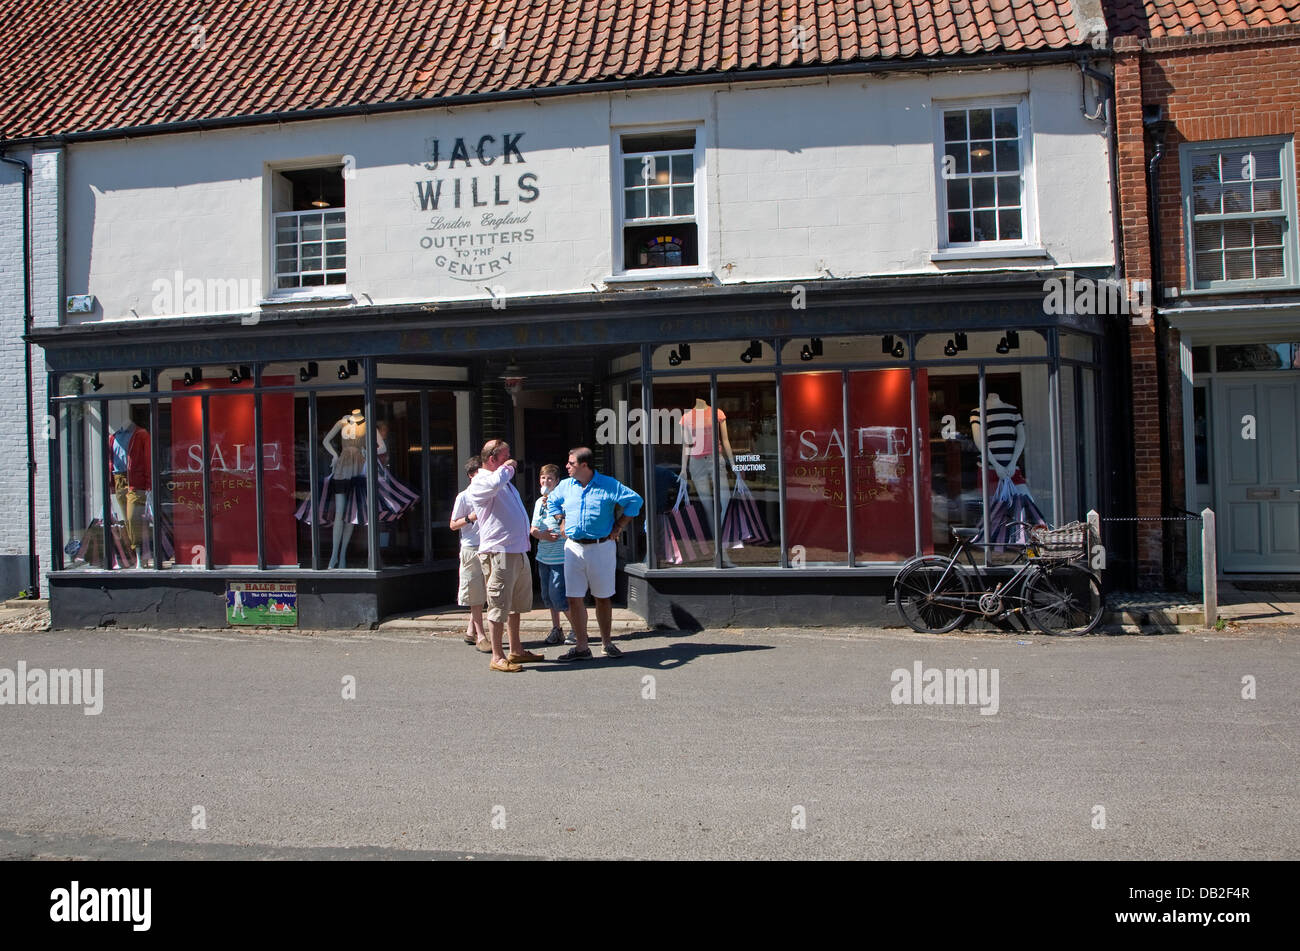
(1257, 437)
(549, 435)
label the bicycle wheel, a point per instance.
(917, 587)
(1063, 599)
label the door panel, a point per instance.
(1258, 480)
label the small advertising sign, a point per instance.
(257, 603)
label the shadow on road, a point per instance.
(655, 658)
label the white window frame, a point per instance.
(699, 218)
(273, 294)
(325, 272)
(1187, 152)
(1028, 243)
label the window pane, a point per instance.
(880, 419)
(335, 278)
(400, 479)
(312, 229)
(952, 496)
(342, 452)
(312, 249)
(1239, 266)
(1257, 356)
(1207, 199)
(683, 168)
(1237, 234)
(1008, 156)
(634, 203)
(1233, 165)
(1205, 168)
(659, 202)
(983, 192)
(683, 472)
(981, 123)
(1009, 190)
(1268, 196)
(986, 225)
(1201, 433)
(1009, 225)
(1208, 236)
(1236, 198)
(981, 156)
(1268, 232)
(336, 230)
(958, 193)
(286, 283)
(960, 164)
(1269, 263)
(751, 516)
(1209, 267)
(286, 230)
(1005, 123)
(313, 280)
(954, 126)
(959, 227)
(812, 406)
(684, 200)
(336, 263)
(632, 172)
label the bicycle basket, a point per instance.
(1067, 543)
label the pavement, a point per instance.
(715, 744)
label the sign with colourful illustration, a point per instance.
(260, 603)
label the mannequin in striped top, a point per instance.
(1006, 436)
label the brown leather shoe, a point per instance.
(485, 645)
(527, 657)
(505, 666)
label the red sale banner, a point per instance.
(230, 455)
(879, 445)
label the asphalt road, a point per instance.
(436, 757)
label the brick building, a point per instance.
(1208, 110)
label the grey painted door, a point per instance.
(1258, 479)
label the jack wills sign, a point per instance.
(478, 203)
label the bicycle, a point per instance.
(935, 595)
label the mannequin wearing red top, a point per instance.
(697, 452)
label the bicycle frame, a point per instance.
(969, 603)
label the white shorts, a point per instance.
(590, 567)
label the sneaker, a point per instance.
(571, 638)
(611, 650)
(555, 637)
(574, 654)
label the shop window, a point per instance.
(342, 447)
(882, 449)
(814, 446)
(982, 169)
(309, 228)
(751, 513)
(399, 449)
(691, 485)
(661, 189)
(1239, 198)
(1079, 441)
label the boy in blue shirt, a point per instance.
(550, 555)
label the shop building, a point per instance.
(1209, 110)
(823, 288)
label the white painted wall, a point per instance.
(802, 180)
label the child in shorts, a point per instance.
(550, 556)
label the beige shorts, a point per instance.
(509, 583)
(472, 591)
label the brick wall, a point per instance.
(1246, 83)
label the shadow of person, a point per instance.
(668, 657)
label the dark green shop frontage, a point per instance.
(795, 444)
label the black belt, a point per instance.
(590, 541)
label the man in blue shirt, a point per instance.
(585, 505)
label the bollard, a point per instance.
(1209, 568)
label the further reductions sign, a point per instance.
(230, 453)
(879, 446)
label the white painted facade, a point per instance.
(804, 180)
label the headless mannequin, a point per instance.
(992, 402)
(697, 465)
(355, 424)
(131, 499)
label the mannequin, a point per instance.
(697, 452)
(128, 450)
(1006, 435)
(347, 478)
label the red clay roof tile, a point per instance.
(82, 65)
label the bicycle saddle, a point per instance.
(958, 532)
